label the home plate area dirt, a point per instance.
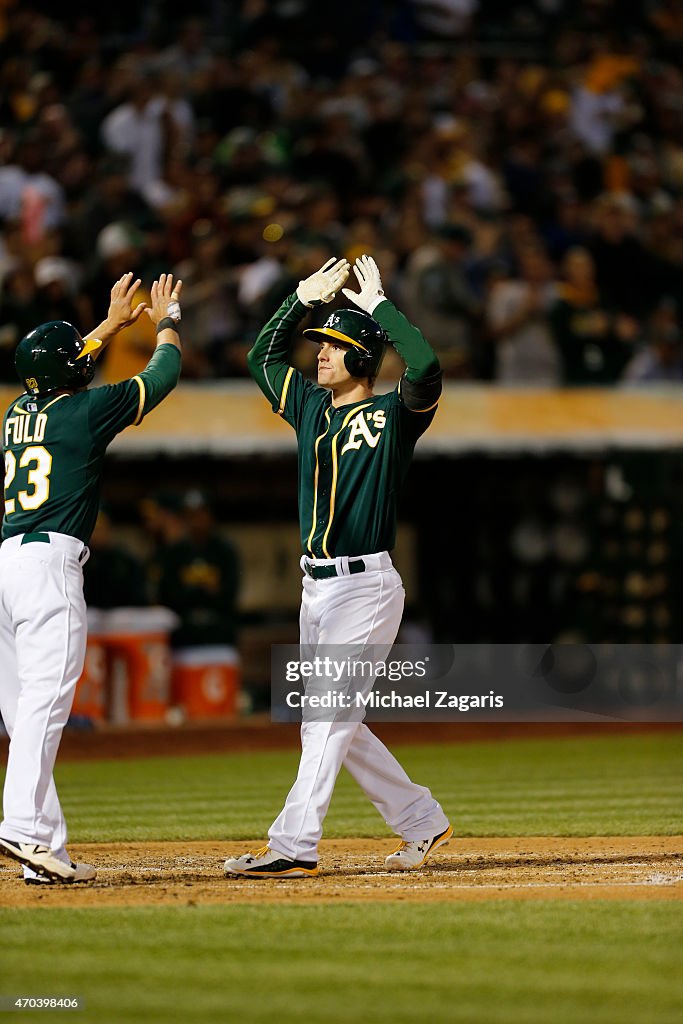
(190, 873)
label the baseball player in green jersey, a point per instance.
(55, 437)
(354, 448)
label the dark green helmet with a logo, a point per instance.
(54, 356)
(366, 340)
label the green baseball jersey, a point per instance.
(352, 459)
(54, 448)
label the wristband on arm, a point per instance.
(167, 323)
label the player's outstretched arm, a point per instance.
(268, 360)
(421, 384)
(113, 407)
(121, 312)
(162, 372)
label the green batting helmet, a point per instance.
(365, 339)
(54, 356)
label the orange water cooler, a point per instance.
(90, 700)
(206, 681)
(139, 661)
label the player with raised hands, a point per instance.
(55, 436)
(354, 449)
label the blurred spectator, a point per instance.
(190, 55)
(517, 314)
(194, 208)
(566, 226)
(440, 300)
(199, 579)
(660, 360)
(113, 576)
(28, 192)
(109, 201)
(19, 306)
(118, 249)
(57, 280)
(331, 152)
(144, 126)
(210, 316)
(595, 346)
(624, 269)
(599, 101)
(445, 17)
(162, 518)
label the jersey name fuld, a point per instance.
(23, 429)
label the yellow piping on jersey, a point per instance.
(57, 399)
(333, 491)
(141, 384)
(428, 409)
(22, 411)
(315, 490)
(285, 389)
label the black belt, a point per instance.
(44, 538)
(327, 572)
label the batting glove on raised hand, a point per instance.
(371, 292)
(324, 284)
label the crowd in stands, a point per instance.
(515, 169)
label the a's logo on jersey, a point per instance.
(32, 383)
(360, 429)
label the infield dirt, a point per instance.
(184, 873)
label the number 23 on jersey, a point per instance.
(38, 461)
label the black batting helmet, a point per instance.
(54, 356)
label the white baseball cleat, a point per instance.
(40, 858)
(411, 855)
(267, 863)
(83, 873)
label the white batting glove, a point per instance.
(324, 284)
(371, 292)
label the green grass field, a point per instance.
(497, 962)
(486, 963)
(609, 786)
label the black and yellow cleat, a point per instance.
(267, 863)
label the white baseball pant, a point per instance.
(43, 633)
(360, 610)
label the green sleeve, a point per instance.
(285, 388)
(159, 377)
(412, 346)
(114, 407)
